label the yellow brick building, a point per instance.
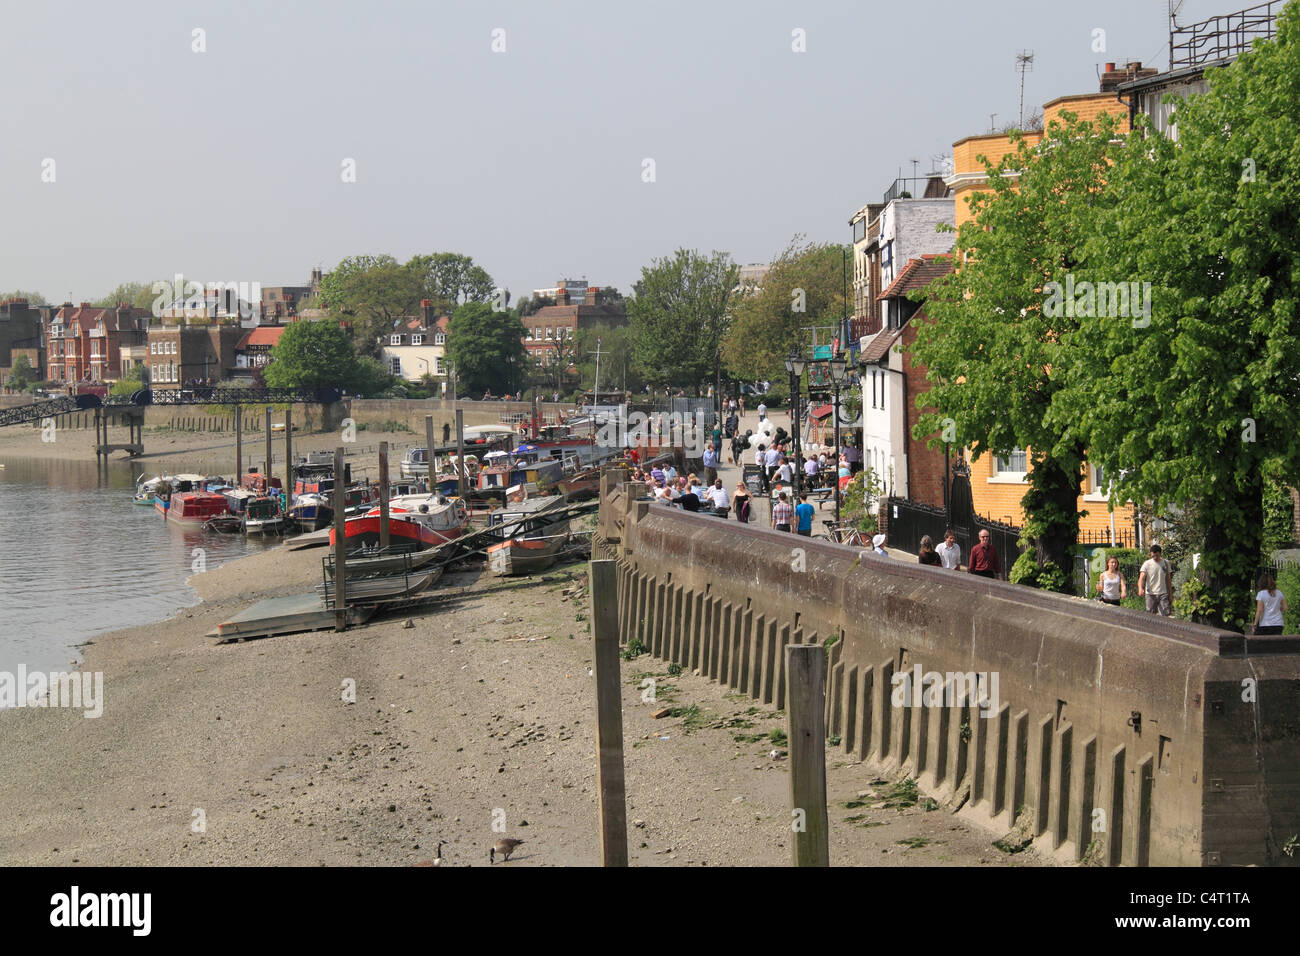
(997, 485)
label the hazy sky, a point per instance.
(226, 164)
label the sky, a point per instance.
(229, 163)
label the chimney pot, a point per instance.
(1110, 67)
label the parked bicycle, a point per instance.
(842, 534)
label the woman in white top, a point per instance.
(1111, 585)
(1270, 605)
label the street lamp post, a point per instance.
(839, 370)
(794, 364)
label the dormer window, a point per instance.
(394, 340)
(417, 339)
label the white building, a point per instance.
(887, 236)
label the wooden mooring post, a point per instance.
(288, 456)
(383, 496)
(340, 544)
(460, 452)
(269, 470)
(805, 666)
(239, 445)
(428, 440)
(609, 712)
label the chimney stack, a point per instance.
(593, 296)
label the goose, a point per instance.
(438, 860)
(505, 846)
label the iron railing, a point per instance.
(1226, 36)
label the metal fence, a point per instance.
(910, 520)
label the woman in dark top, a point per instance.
(928, 554)
(741, 503)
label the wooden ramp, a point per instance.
(283, 615)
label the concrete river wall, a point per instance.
(1101, 732)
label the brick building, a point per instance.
(83, 343)
(21, 334)
(551, 329)
(890, 384)
(193, 351)
(997, 483)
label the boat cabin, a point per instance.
(197, 506)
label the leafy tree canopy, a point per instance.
(311, 354)
(21, 373)
(804, 287)
(33, 298)
(678, 316)
(995, 354)
(486, 349)
(138, 294)
(1198, 405)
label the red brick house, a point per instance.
(84, 342)
(551, 329)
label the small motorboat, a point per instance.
(414, 522)
(533, 532)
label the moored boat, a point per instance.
(199, 506)
(533, 533)
(414, 521)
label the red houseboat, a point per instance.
(197, 506)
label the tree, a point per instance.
(21, 375)
(129, 383)
(333, 289)
(617, 370)
(138, 294)
(312, 354)
(33, 298)
(804, 287)
(451, 279)
(1198, 403)
(678, 316)
(996, 356)
(486, 348)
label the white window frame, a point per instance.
(395, 340)
(395, 365)
(1008, 474)
(417, 339)
(440, 338)
(1095, 491)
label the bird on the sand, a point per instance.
(505, 846)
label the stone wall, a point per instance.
(1109, 733)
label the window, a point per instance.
(528, 335)
(394, 340)
(417, 339)
(440, 338)
(438, 367)
(1014, 464)
(549, 330)
(395, 365)
(153, 348)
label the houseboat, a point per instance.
(170, 485)
(415, 522)
(533, 532)
(197, 506)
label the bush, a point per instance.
(1027, 571)
(1288, 582)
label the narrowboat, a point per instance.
(199, 506)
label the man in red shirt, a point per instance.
(984, 560)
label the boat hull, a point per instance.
(363, 531)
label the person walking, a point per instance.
(1270, 606)
(1153, 583)
(1111, 585)
(760, 460)
(803, 513)
(878, 545)
(984, 559)
(742, 503)
(762, 410)
(950, 551)
(782, 514)
(928, 555)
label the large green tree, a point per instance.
(21, 375)
(617, 370)
(803, 288)
(678, 315)
(138, 294)
(486, 349)
(311, 354)
(451, 279)
(1200, 403)
(996, 356)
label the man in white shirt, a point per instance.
(719, 498)
(762, 411)
(784, 472)
(950, 551)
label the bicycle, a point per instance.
(842, 534)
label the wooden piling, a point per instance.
(269, 470)
(383, 496)
(340, 545)
(428, 440)
(609, 712)
(805, 665)
(288, 456)
(239, 445)
(460, 451)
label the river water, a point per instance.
(77, 559)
